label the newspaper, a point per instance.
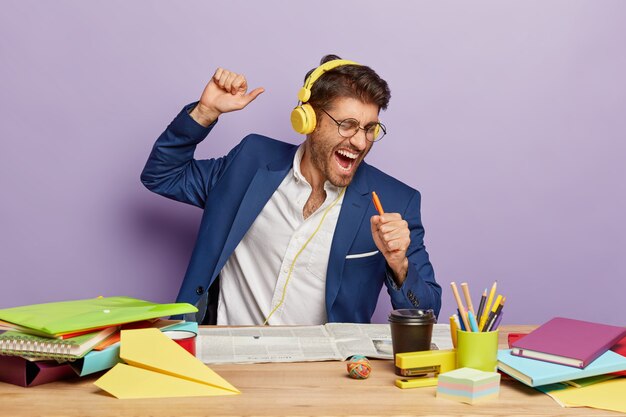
(331, 341)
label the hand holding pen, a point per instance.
(392, 237)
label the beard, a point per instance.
(336, 168)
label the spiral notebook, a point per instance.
(29, 346)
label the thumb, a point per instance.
(374, 222)
(248, 98)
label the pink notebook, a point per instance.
(568, 342)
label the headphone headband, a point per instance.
(305, 92)
(303, 116)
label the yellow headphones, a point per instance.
(303, 116)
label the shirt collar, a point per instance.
(297, 159)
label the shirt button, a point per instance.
(199, 290)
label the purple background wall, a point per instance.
(508, 116)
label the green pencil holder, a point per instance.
(477, 350)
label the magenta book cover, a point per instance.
(568, 341)
(19, 371)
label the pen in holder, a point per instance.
(477, 350)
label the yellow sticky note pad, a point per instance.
(159, 367)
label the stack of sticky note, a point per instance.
(468, 385)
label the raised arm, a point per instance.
(171, 169)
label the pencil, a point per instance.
(497, 321)
(459, 321)
(456, 321)
(462, 311)
(492, 293)
(376, 200)
(492, 314)
(491, 323)
(468, 298)
(453, 329)
(481, 306)
(472, 321)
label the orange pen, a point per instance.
(379, 207)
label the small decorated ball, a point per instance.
(359, 367)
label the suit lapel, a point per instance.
(353, 208)
(263, 184)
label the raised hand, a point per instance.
(226, 91)
(392, 238)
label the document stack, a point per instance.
(41, 343)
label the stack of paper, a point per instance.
(36, 336)
(605, 395)
(468, 385)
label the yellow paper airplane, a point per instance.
(158, 367)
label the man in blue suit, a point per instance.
(289, 234)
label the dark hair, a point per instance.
(354, 81)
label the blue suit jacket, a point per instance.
(233, 190)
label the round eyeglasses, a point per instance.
(350, 127)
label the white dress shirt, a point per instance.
(253, 279)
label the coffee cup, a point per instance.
(411, 330)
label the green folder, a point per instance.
(71, 316)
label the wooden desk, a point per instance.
(320, 388)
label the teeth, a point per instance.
(347, 154)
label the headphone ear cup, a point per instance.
(303, 119)
(376, 131)
(298, 119)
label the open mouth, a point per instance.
(345, 159)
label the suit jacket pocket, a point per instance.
(363, 259)
(362, 255)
